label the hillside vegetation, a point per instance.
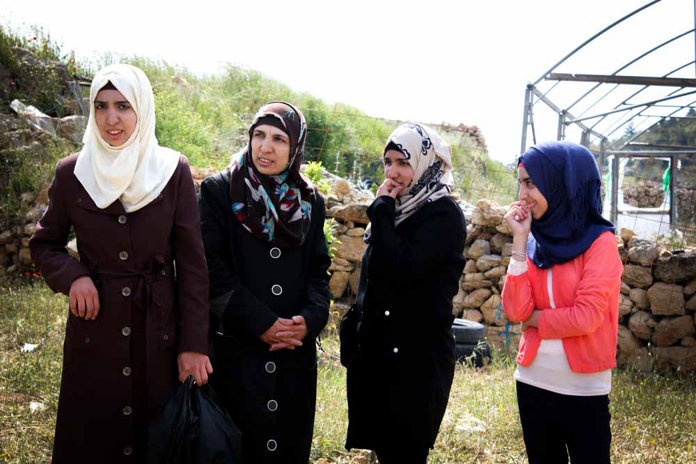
(206, 118)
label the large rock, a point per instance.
(472, 315)
(637, 276)
(72, 128)
(496, 272)
(672, 329)
(493, 312)
(457, 302)
(676, 356)
(476, 298)
(354, 281)
(474, 233)
(691, 304)
(25, 257)
(479, 248)
(666, 299)
(627, 344)
(677, 268)
(641, 360)
(342, 187)
(29, 229)
(488, 262)
(474, 281)
(488, 213)
(625, 288)
(351, 248)
(626, 234)
(625, 305)
(356, 232)
(639, 297)
(470, 266)
(354, 213)
(6, 237)
(690, 288)
(338, 283)
(498, 241)
(645, 255)
(642, 324)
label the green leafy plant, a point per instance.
(315, 173)
(330, 236)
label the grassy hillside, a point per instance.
(206, 118)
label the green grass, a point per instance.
(653, 415)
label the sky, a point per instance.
(432, 61)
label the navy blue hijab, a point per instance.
(566, 174)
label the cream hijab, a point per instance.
(430, 156)
(137, 171)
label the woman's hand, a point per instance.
(195, 364)
(390, 188)
(295, 332)
(273, 338)
(519, 219)
(84, 298)
(532, 321)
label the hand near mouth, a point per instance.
(519, 218)
(390, 188)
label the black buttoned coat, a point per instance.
(271, 396)
(399, 385)
(120, 368)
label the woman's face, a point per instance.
(115, 116)
(270, 149)
(397, 168)
(530, 194)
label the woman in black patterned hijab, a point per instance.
(262, 225)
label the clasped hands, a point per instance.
(286, 333)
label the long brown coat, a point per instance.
(120, 368)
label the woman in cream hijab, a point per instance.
(135, 323)
(400, 355)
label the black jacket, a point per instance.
(270, 395)
(399, 385)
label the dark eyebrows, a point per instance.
(525, 179)
(118, 102)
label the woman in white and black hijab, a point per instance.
(396, 341)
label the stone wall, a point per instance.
(658, 292)
(644, 195)
(657, 300)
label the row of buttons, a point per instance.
(272, 405)
(126, 331)
(275, 253)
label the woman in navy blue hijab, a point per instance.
(563, 284)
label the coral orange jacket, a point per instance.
(586, 295)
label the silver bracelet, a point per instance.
(520, 253)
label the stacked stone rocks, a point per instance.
(488, 250)
(644, 195)
(14, 241)
(658, 302)
(686, 205)
(347, 206)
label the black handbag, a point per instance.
(348, 335)
(193, 429)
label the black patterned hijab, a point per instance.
(276, 209)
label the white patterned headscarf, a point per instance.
(430, 156)
(137, 171)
